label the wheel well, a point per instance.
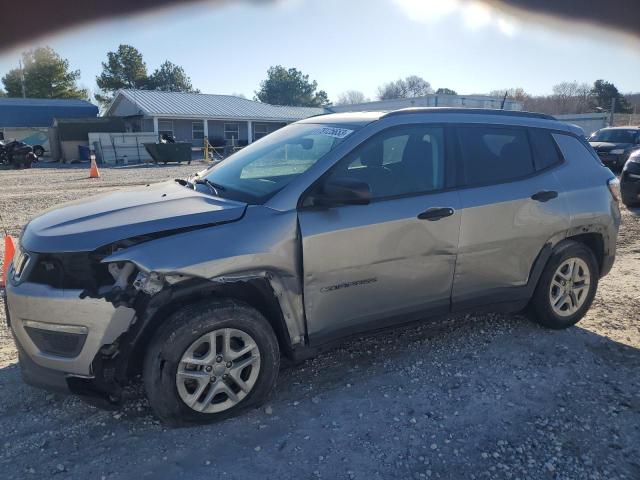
(594, 242)
(256, 293)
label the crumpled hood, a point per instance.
(608, 146)
(90, 223)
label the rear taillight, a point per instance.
(614, 188)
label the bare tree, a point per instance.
(410, 87)
(571, 97)
(351, 97)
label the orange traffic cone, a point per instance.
(93, 171)
(9, 252)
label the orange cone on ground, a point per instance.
(94, 172)
(9, 252)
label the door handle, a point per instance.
(433, 214)
(544, 196)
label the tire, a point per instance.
(38, 150)
(541, 309)
(179, 333)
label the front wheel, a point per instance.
(566, 287)
(209, 361)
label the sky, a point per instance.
(355, 45)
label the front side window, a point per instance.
(258, 171)
(494, 154)
(399, 161)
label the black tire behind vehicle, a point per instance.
(178, 333)
(38, 150)
(540, 307)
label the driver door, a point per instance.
(366, 266)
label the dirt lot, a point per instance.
(479, 396)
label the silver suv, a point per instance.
(331, 226)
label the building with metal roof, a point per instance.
(194, 116)
(227, 119)
(40, 112)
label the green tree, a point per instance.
(46, 75)
(124, 68)
(604, 92)
(171, 78)
(290, 87)
(446, 91)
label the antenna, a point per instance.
(24, 92)
(506, 92)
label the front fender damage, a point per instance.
(157, 277)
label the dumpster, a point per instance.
(84, 153)
(169, 152)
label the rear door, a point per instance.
(512, 205)
(366, 266)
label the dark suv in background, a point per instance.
(615, 144)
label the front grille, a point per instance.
(62, 344)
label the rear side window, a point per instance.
(545, 150)
(494, 154)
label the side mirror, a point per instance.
(343, 191)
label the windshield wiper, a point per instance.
(184, 183)
(213, 186)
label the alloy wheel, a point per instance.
(218, 370)
(569, 287)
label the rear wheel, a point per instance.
(38, 150)
(209, 361)
(566, 288)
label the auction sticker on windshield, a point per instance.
(335, 132)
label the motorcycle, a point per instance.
(18, 154)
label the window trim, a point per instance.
(194, 123)
(450, 167)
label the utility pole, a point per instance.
(613, 109)
(24, 92)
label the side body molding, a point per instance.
(263, 244)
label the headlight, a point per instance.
(617, 151)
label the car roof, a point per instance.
(366, 117)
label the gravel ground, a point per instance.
(476, 396)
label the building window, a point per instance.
(232, 132)
(197, 130)
(260, 130)
(165, 127)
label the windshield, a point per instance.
(615, 136)
(257, 172)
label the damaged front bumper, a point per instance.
(59, 334)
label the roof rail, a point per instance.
(483, 111)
